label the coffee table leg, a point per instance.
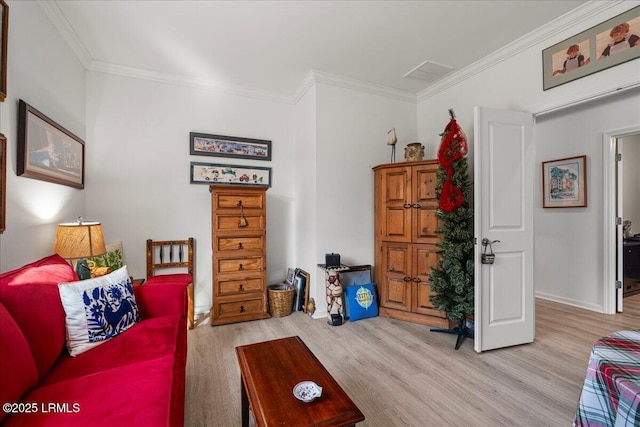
(245, 404)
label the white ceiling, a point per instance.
(270, 46)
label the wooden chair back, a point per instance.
(163, 254)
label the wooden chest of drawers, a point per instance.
(238, 225)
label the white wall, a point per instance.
(516, 83)
(139, 175)
(352, 131)
(305, 186)
(43, 71)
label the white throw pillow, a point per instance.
(98, 309)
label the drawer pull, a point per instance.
(407, 206)
(241, 288)
(240, 246)
(242, 222)
(407, 279)
(416, 206)
(417, 280)
(241, 267)
(242, 310)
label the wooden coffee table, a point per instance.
(271, 369)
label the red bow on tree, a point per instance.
(452, 148)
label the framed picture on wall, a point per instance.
(203, 144)
(3, 182)
(214, 173)
(605, 45)
(46, 150)
(4, 33)
(564, 183)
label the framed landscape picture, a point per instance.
(46, 150)
(564, 183)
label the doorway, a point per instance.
(622, 216)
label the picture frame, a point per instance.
(610, 43)
(46, 150)
(302, 282)
(3, 183)
(203, 144)
(4, 33)
(216, 173)
(564, 183)
(290, 275)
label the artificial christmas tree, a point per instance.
(452, 281)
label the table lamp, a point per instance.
(76, 241)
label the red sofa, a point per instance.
(135, 379)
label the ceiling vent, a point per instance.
(429, 71)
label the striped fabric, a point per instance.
(611, 392)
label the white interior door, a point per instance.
(503, 213)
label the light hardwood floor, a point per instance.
(400, 374)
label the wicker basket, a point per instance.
(280, 299)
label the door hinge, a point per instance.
(618, 284)
(619, 157)
(618, 220)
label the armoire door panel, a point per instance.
(425, 185)
(426, 224)
(396, 186)
(397, 259)
(398, 295)
(421, 302)
(397, 226)
(425, 257)
(396, 204)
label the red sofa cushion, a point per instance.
(37, 309)
(147, 340)
(18, 371)
(138, 394)
(182, 279)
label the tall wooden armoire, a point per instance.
(239, 240)
(405, 250)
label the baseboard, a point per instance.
(569, 301)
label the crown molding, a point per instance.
(55, 15)
(574, 17)
(307, 83)
(372, 88)
(197, 83)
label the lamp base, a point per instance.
(82, 269)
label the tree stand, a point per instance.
(462, 331)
